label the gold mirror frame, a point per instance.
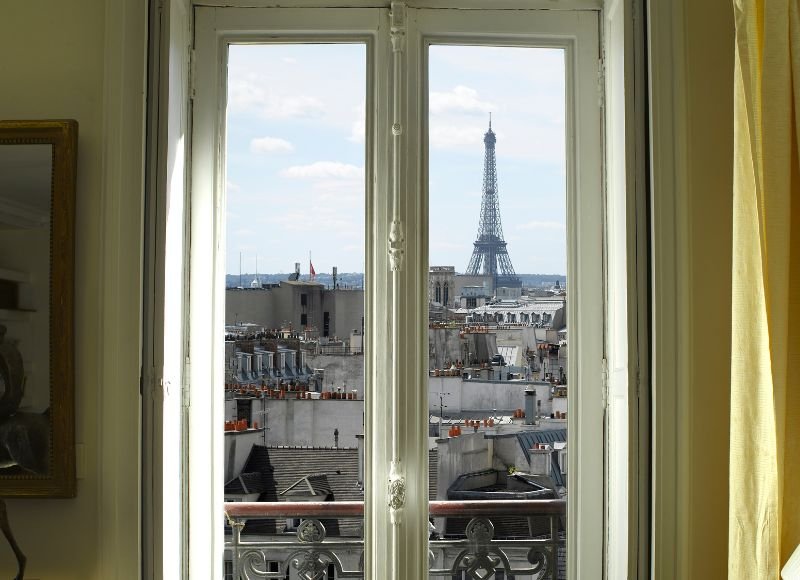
(59, 480)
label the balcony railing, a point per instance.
(473, 553)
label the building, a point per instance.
(327, 312)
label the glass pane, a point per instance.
(497, 304)
(294, 308)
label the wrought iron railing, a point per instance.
(475, 553)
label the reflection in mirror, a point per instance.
(38, 162)
(25, 196)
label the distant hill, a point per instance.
(356, 279)
(345, 279)
(540, 280)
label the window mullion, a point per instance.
(405, 474)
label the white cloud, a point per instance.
(253, 93)
(232, 187)
(460, 99)
(287, 106)
(449, 136)
(542, 226)
(270, 145)
(324, 170)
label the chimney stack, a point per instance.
(530, 405)
(540, 462)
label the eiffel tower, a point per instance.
(490, 256)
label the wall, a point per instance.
(309, 422)
(275, 307)
(346, 309)
(489, 396)
(340, 371)
(709, 154)
(457, 455)
(53, 68)
(238, 445)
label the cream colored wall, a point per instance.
(709, 100)
(53, 68)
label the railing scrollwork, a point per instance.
(310, 552)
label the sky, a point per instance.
(295, 155)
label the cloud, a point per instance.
(270, 145)
(252, 93)
(341, 226)
(232, 187)
(324, 170)
(450, 136)
(461, 99)
(542, 226)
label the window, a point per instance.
(397, 203)
(244, 409)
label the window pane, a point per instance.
(294, 309)
(497, 296)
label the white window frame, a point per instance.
(576, 32)
(175, 103)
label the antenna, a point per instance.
(240, 270)
(490, 120)
(442, 407)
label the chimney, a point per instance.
(335, 276)
(336, 438)
(530, 405)
(297, 268)
(540, 462)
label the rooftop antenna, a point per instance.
(240, 270)
(442, 407)
(490, 120)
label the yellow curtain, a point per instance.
(764, 513)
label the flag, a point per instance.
(311, 269)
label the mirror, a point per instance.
(37, 215)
